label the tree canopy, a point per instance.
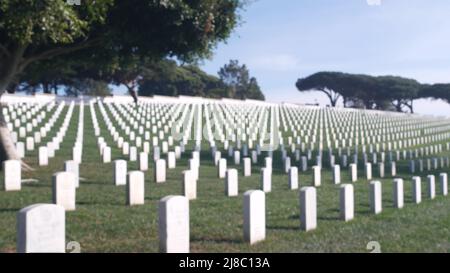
(112, 35)
(237, 78)
(167, 78)
(35, 30)
(371, 92)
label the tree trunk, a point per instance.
(132, 92)
(8, 70)
(398, 107)
(333, 102)
(46, 88)
(8, 148)
(411, 106)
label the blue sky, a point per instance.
(283, 40)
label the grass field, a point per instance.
(103, 223)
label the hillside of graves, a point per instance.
(201, 175)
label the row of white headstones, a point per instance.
(172, 156)
(420, 151)
(41, 227)
(135, 188)
(12, 168)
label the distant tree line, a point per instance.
(75, 77)
(372, 92)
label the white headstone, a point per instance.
(293, 178)
(194, 167)
(443, 179)
(76, 154)
(43, 156)
(135, 188)
(266, 179)
(231, 182)
(316, 176)
(189, 185)
(254, 216)
(393, 169)
(106, 153)
(353, 172)
(416, 189)
(431, 186)
(247, 166)
(308, 208)
(174, 224)
(20, 147)
(120, 172)
(368, 169)
(237, 157)
(133, 153)
(41, 228)
(63, 188)
(160, 170)
(30, 143)
(222, 168)
(347, 205)
(375, 197)
(398, 193)
(171, 160)
(143, 161)
(72, 166)
(336, 174)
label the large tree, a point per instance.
(168, 78)
(87, 87)
(383, 92)
(435, 91)
(35, 30)
(237, 78)
(401, 92)
(329, 83)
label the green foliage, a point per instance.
(383, 92)
(46, 22)
(116, 32)
(88, 87)
(169, 79)
(435, 91)
(237, 78)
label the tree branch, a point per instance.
(58, 51)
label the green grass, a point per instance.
(103, 223)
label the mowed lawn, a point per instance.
(103, 223)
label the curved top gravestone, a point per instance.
(41, 228)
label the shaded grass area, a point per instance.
(103, 223)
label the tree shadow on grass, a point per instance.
(152, 198)
(9, 209)
(36, 185)
(217, 240)
(274, 227)
(90, 203)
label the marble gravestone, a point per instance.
(135, 188)
(174, 224)
(63, 189)
(41, 228)
(254, 216)
(12, 176)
